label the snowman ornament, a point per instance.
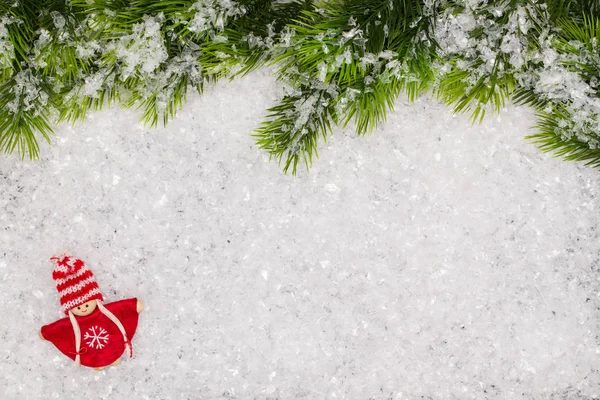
(93, 334)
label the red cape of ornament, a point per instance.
(101, 341)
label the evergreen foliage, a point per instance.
(342, 62)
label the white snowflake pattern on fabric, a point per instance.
(96, 337)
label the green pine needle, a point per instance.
(569, 149)
(18, 130)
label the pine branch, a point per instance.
(199, 47)
(25, 95)
(242, 46)
(345, 62)
(24, 114)
(20, 20)
(91, 93)
(285, 136)
(249, 41)
(409, 70)
(573, 148)
(483, 73)
(161, 103)
(569, 116)
(559, 9)
(339, 76)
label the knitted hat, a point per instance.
(75, 282)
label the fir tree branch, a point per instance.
(483, 74)
(549, 139)
(559, 9)
(346, 62)
(249, 41)
(290, 139)
(567, 93)
(25, 95)
(200, 47)
(22, 101)
(339, 76)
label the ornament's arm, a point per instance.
(42, 336)
(139, 308)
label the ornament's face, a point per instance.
(84, 309)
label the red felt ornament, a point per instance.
(94, 334)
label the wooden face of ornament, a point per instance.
(84, 309)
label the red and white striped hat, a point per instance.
(75, 282)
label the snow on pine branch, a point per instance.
(7, 49)
(343, 61)
(486, 37)
(28, 97)
(572, 100)
(214, 14)
(144, 49)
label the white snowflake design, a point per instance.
(96, 337)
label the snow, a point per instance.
(213, 14)
(478, 40)
(144, 48)
(432, 259)
(28, 95)
(58, 20)
(93, 83)
(7, 50)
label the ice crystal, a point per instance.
(87, 49)
(7, 50)
(28, 96)
(93, 83)
(557, 80)
(286, 38)
(476, 35)
(58, 20)
(143, 50)
(212, 15)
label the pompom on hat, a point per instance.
(75, 282)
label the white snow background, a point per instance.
(432, 259)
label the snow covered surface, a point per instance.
(433, 259)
